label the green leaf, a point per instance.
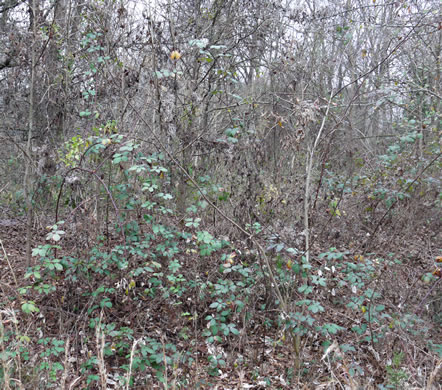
(58, 266)
(380, 308)
(106, 303)
(305, 289)
(332, 328)
(164, 196)
(201, 43)
(360, 330)
(29, 307)
(92, 378)
(347, 348)
(233, 329)
(316, 307)
(204, 237)
(41, 251)
(218, 47)
(138, 168)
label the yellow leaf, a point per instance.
(359, 258)
(175, 55)
(231, 257)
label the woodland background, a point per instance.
(212, 194)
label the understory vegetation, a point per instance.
(220, 195)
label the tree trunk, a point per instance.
(28, 170)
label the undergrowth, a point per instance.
(125, 292)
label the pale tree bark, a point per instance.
(58, 37)
(28, 169)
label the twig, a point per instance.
(74, 382)
(166, 385)
(66, 365)
(5, 362)
(421, 304)
(99, 337)
(132, 354)
(4, 188)
(433, 375)
(9, 264)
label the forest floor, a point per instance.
(262, 358)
